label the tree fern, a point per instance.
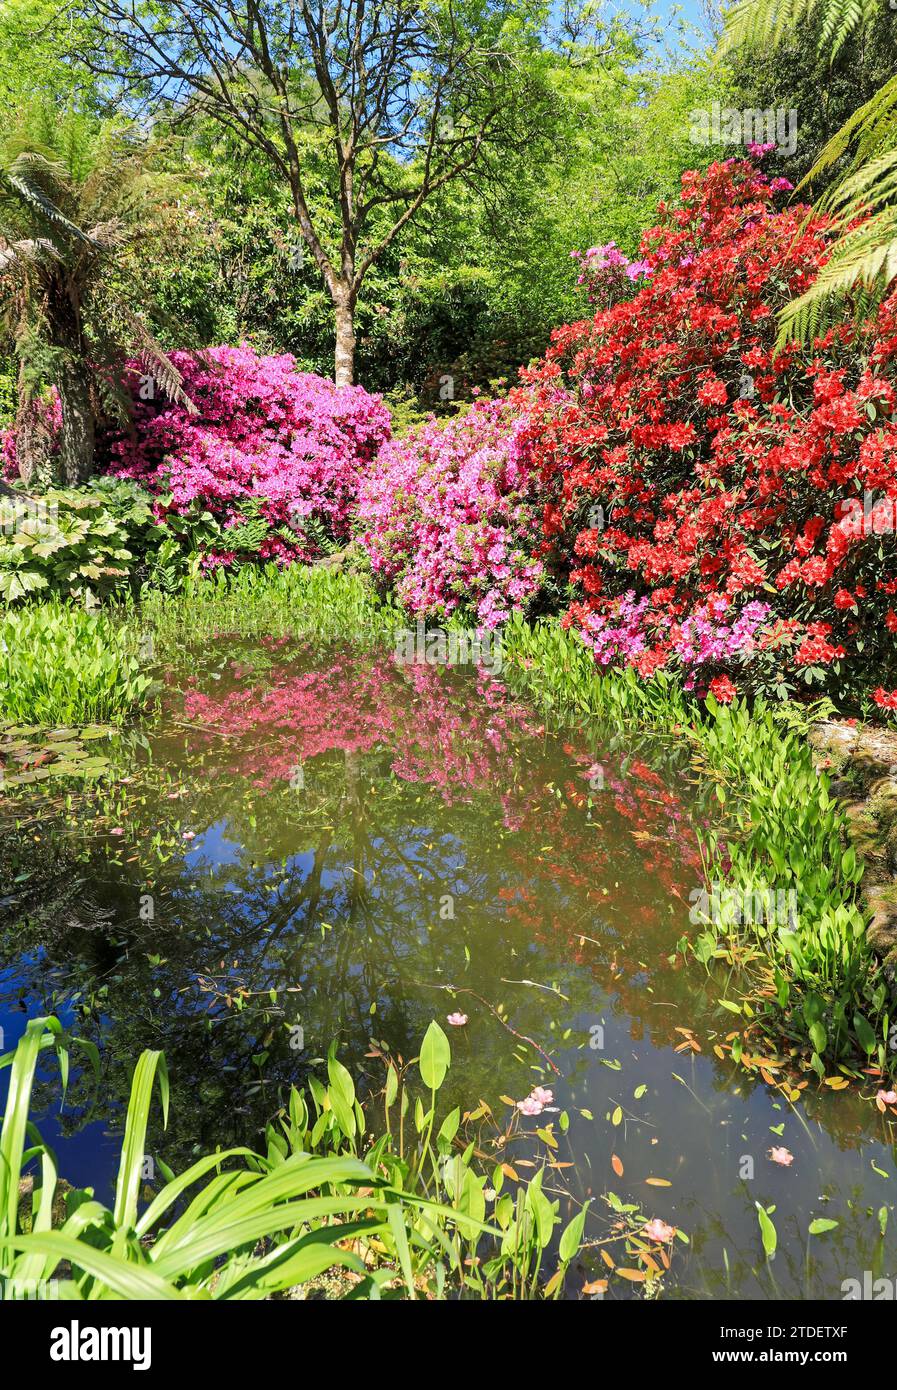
(862, 204)
(63, 222)
(753, 22)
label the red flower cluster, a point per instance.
(690, 464)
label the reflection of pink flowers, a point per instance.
(887, 1097)
(655, 1229)
(783, 1156)
(364, 702)
(457, 1020)
(542, 1096)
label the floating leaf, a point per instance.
(821, 1225)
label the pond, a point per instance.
(311, 842)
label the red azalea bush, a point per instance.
(451, 515)
(272, 455)
(723, 508)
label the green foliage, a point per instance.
(477, 281)
(78, 544)
(396, 1221)
(63, 665)
(862, 201)
(751, 21)
(69, 208)
(303, 601)
(784, 834)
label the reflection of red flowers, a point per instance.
(723, 690)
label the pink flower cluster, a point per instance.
(710, 636)
(292, 444)
(451, 516)
(608, 274)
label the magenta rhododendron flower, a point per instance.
(268, 444)
(451, 516)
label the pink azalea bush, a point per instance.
(49, 412)
(451, 516)
(273, 454)
(707, 638)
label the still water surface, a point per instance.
(316, 843)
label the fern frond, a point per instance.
(21, 177)
(873, 126)
(862, 265)
(155, 359)
(755, 23)
(32, 252)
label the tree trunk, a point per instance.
(344, 357)
(77, 436)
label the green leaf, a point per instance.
(865, 1036)
(767, 1231)
(572, 1236)
(435, 1057)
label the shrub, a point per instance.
(268, 464)
(450, 516)
(709, 501)
(607, 274)
(80, 544)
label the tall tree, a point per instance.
(406, 96)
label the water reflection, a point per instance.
(347, 846)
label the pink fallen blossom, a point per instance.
(655, 1229)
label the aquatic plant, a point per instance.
(398, 1217)
(810, 981)
(60, 664)
(270, 601)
